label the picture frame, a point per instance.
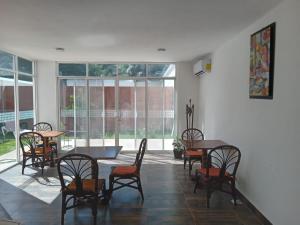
(262, 51)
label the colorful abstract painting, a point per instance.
(262, 63)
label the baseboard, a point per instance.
(260, 216)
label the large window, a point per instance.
(16, 86)
(108, 104)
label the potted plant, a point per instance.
(178, 148)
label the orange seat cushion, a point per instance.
(39, 151)
(191, 153)
(212, 172)
(124, 170)
(88, 185)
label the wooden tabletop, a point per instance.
(50, 133)
(101, 152)
(203, 144)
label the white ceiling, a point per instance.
(123, 30)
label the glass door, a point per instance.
(131, 113)
(7, 119)
(155, 114)
(101, 112)
(96, 111)
(73, 111)
(118, 104)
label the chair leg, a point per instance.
(190, 166)
(233, 191)
(184, 162)
(94, 209)
(23, 165)
(207, 197)
(42, 165)
(63, 208)
(111, 186)
(197, 181)
(140, 187)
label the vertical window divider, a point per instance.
(163, 116)
(17, 113)
(87, 85)
(135, 114)
(35, 102)
(75, 114)
(146, 104)
(117, 113)
(103, 113)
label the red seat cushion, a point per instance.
(192, 153)
(212, 172)
(124, 170)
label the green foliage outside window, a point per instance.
(132, 70)
(6, 60)
(102, 70)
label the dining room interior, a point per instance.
(149, 112)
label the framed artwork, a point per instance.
(262, 49)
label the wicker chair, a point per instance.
(223, 162)
(33, 147)
(78, 174)
(120, 174)
(192, 155)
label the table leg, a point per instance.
(204, 163)
(46, 140)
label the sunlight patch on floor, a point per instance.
(44, 188)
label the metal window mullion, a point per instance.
(103, 113)
(163, 116)
(17, 116)
(117, 113)
(174, 108)
(34, 86)
(146, 109)
(58, 108)
(135, 115)
(88, 112)
(74, 113)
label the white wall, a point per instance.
(46, 92)
(266, 131)
(187, 86)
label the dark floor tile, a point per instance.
(169, 199)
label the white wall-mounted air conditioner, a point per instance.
(202, 66)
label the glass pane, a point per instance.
(110, 112)
(6, 60)
(81, 115)
(161, 70)
(23, 77)
(26, 121)
(24, 65)
(7, 120)
(132, 70)
(155, 114)
(96, 112)
(73, 111)
(169, 114)
(140, 112)
(102, 70)
(67, 114)
(71, 69)
(127, 114)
